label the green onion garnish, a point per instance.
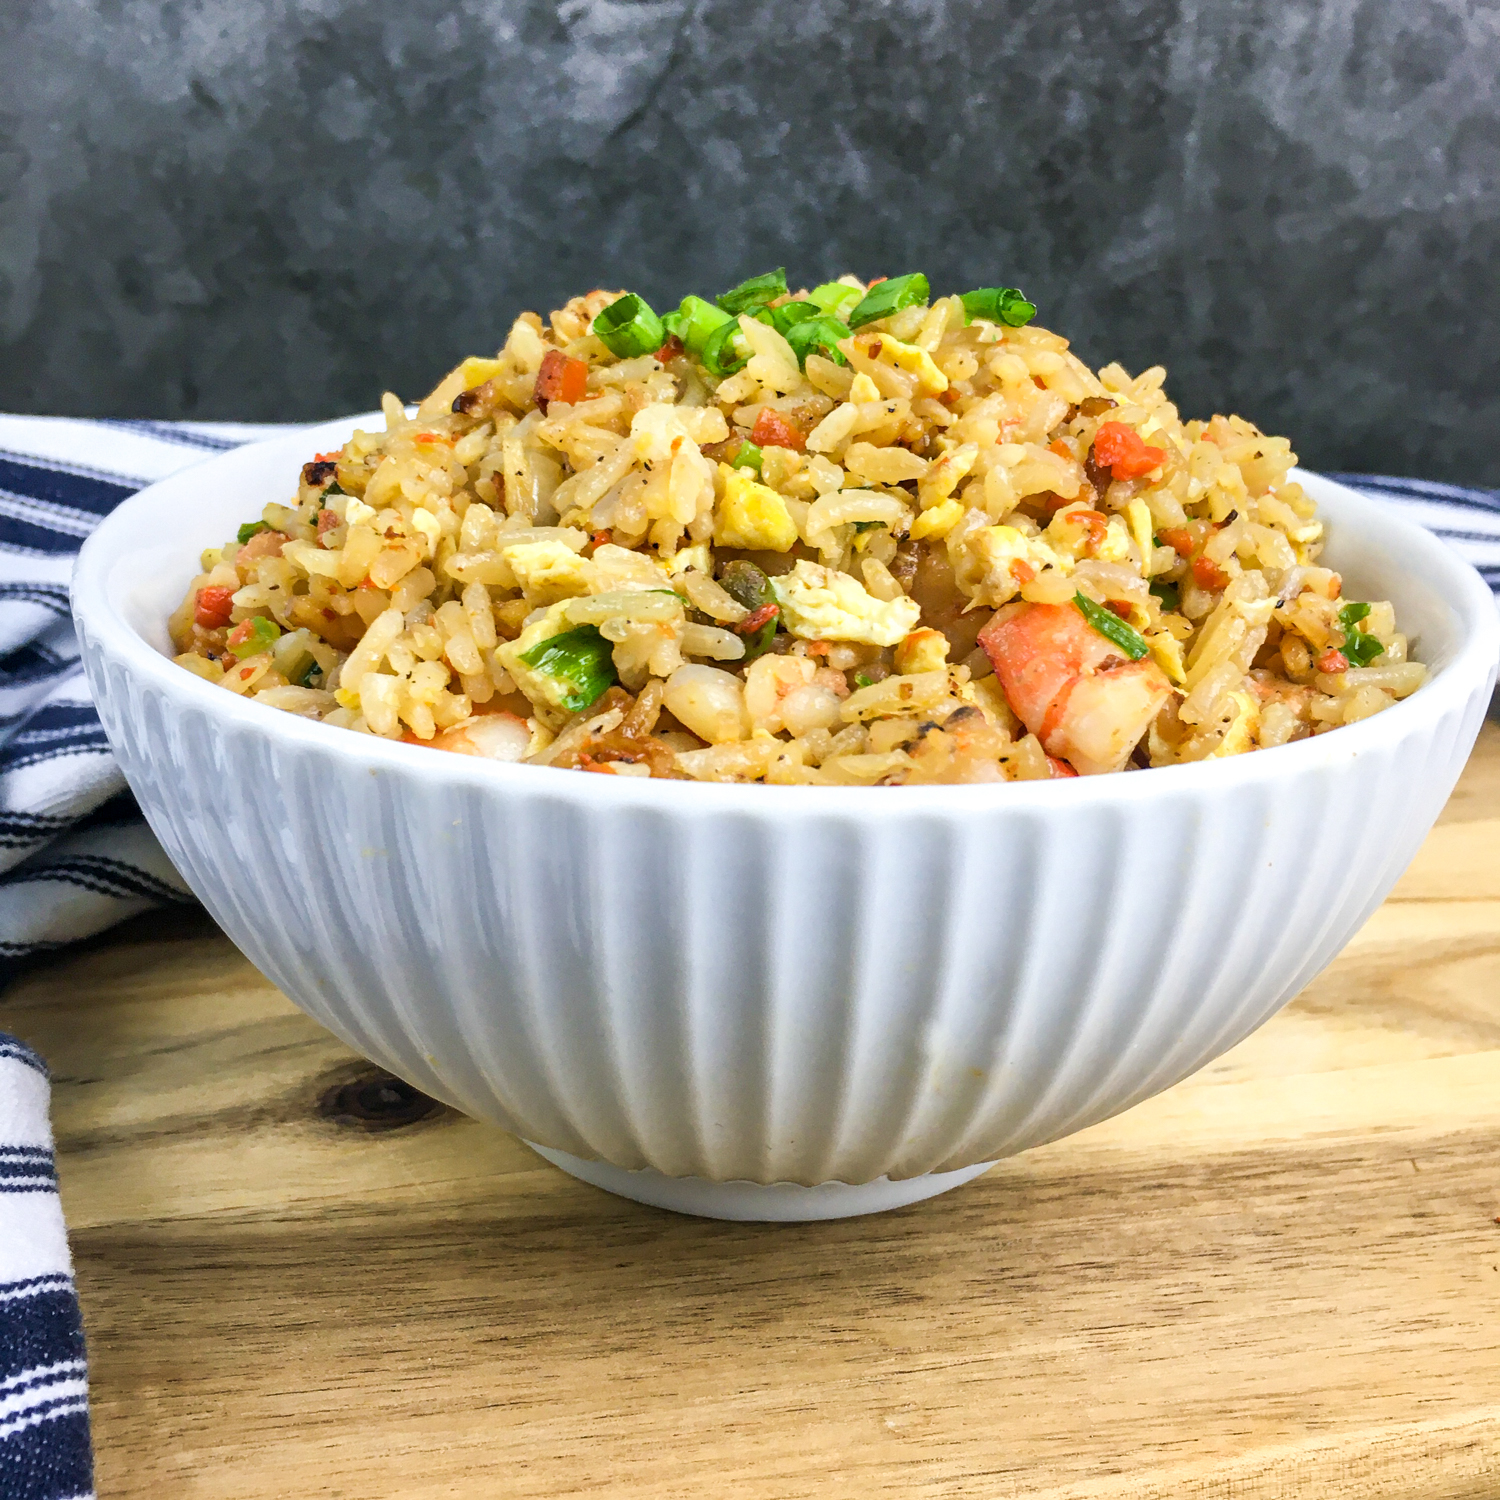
(868, 525)
(696, 320)
(251, 637)
(1112, 627)
(759, 643)
(1169, 594)
(628, 327)
(862, 679)
(788, 315)
(334, 488)
(250, 529)
(582, 660)
(1359, 647)
(725, 350)
(756, 292)
(747, 456)
(890, 297)
(835, 299)
(999, 304)
(817, 336)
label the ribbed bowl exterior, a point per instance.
(770, 984)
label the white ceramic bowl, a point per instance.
(770, 1002)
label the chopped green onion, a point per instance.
(582, 660)
(251, 637)
(863, 679)
(788, 315)
(817, 336)
(1112, 627)
(759, 643)
(696, 320)
(672, 322)
(1169, 594)
(889, 297)
(726, 349)
(999, 304)
(250, 529)
(628, 327)
(747, 456)
(755, 292)
(835, 299)
(868, 525)
(1361, 649)
(334, 488)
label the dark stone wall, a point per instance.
(259, 209)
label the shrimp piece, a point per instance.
(499, 736)
(1072, 688)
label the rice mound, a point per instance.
(847, 537)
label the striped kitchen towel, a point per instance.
(44, 1412)
(75, 856)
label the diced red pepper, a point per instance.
(1124, 452)
(1059, 768)
(602, 538)
(560, 379)
(1333, 661)
(671, 350)
(1209, 575)
(758, 619)
(772, 430)
(213, 607)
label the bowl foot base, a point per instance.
(778, 1203)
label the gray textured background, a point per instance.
(259, 209)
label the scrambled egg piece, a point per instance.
(548, 571)
(752, 515)
(916, 362)
(698, 557)
(1240, 736)
(998, 548)
(1167, 650)
(923, 650)
(939, 520)
(1139, 516)
(864, 389)
(820, 604)
(537, 686)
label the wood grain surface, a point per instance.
(1281, 1278)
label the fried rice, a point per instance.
(851, 536)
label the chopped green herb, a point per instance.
(628, 327)
(1112, 627)
(1359, 648)
(889, 297)
(835, 299)
(999, 304)
(747, 456)
(695, 320)
(334, 488)
(1169, 594)
(250, 529)
(868, 525)
(755, 292)
(863, 679)
(726, 350)
(817, 336)
(581, 659)
(1362, 649)
(251, 637)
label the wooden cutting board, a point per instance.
(1281, 1278)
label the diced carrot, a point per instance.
(560, 379)
(772, 430)
(670, 350)
(431, 437)
(1060, 448)
(1021, 570)
(1209, 575)
(1124, 452)
(1178, 538)
(1059, 768)
(602, 538)
(1333, 661)
(327, 458)
(212, 607)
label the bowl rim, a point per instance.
(1471, 670)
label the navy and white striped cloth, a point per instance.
(76, 857)
(44, 1393)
